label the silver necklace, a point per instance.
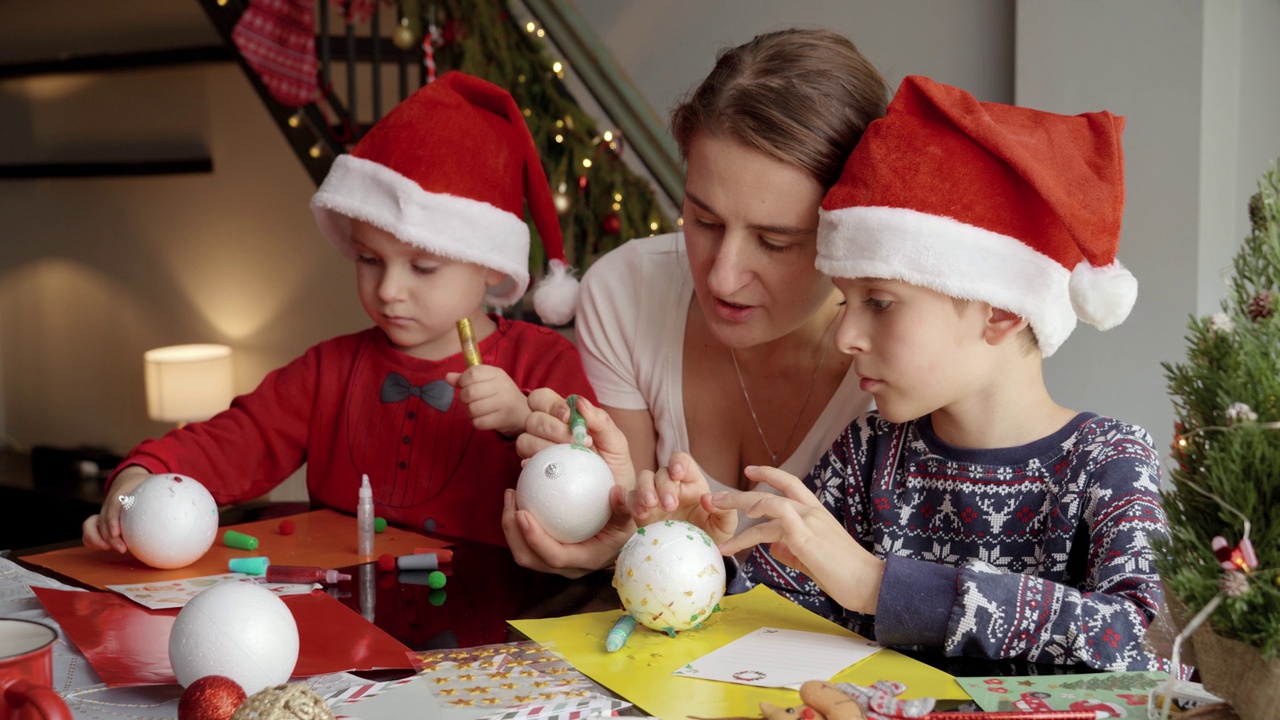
(812, 381)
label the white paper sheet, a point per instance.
(770, 657)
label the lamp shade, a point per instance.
(186, 383)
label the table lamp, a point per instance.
(186, 383)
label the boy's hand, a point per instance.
(548, 424)
(805, 537)
(533, 548)
(492, 398)
(679, 492)
(102, 531)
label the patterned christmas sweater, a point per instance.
(1040, 552)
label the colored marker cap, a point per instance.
(249, 565)
(232, 538)
(444, 555)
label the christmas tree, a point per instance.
(1224, 511)
(602, 202)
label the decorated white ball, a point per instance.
(169, 521)
(237, 629)
(567, 488)
(670, 576)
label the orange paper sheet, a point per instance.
(128, 644)
(641, 670)
(321, 538)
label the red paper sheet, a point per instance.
(128, 644)
(321, 538)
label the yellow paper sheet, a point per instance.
(641, 670)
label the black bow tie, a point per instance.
(438, 394)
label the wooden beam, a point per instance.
(108, 62)
(32, 171)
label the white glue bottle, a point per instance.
(364, 519)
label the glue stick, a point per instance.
(364, 519)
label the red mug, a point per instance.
(26, 672)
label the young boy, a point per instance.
(429, 205)
(970, 512)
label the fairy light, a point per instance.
(586, 162)
(559, 123)
(653, 225)
(528, 112)
(557, 67)
(530, 26)
(541, 32)
(316, 150)
(608, 136)
(617, 197)
(295, 120)
(559, 138)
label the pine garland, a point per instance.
(1226, 398)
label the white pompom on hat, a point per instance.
(449, 170)
(1010, 206)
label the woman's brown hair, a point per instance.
(803, 97)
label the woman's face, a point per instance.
(750, 225)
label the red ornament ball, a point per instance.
(212, 697)
(287, 527)
(611, 224)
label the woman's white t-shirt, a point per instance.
(632, 308)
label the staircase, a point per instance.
(362, 72)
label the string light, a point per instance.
(653, 225)
(617, 197)
(608, 136)
(586, 162)
(559, 138)
(617, 206)
(295, 120)
(541, 32)
(316, 150)
(530, 26)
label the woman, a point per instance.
(715, 341)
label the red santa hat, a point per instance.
(1010, 206)
(449, 170)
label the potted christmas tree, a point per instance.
(1224, 510)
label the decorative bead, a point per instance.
(212, 697)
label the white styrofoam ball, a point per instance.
(237, 629)
(567, 488)
(670, 576)
(169, 521)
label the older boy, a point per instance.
(970, 512)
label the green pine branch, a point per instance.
(1226, 397)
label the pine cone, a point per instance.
(1256, 218)
(1263, 305)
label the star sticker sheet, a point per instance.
(510, 681)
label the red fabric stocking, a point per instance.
(277, 39)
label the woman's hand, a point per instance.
(805, 536)
(679, 492)
(548, 424)
(533, 548)
(102, 531)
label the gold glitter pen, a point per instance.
(468, 339)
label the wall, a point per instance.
(94, 272)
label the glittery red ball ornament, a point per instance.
(611, 224)
(212, 697)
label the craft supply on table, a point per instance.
(416, 561)
(249, 565)
(364, 519)
(239, 540)
(304, 574)
(619, 633)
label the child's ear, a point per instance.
(493, 277)
(1002, 326)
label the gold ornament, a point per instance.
(403, 37)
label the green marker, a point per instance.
(577, 425)
(619, 633)
(234, 539)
